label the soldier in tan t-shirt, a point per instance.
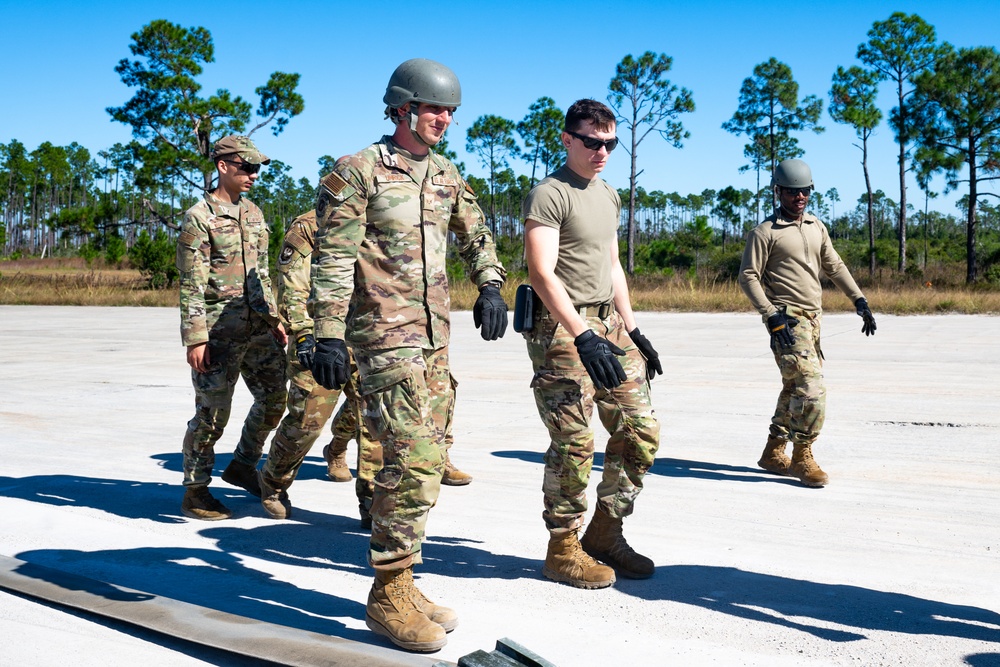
(584, 326)
(785, 257)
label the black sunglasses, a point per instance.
(245, 167)
(795, 192)
(595, 144)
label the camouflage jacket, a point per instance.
(223, 270)
(294, 265)
(381, 246)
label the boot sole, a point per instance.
(334, 478)
(221, 517)
(424, 647)
(774, 471)
(464, 482)
(576, 583)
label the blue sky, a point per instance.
(59, 77)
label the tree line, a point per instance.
(62, 199)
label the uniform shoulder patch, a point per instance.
(335, 183)
(286, 254)
(187, 239)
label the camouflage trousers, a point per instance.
(309, 409)
(407, 398)
(260, 360)
(565, 397)
(348, 425)
(801, 407)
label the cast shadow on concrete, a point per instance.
(312, 468)
(155, 501)
(983, 659)
(670, 467)
(808, 606)
(208, 578)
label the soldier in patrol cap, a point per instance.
(379, 284)
(230, 326)
(784, 259)
(586, 349)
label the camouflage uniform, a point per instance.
(381, 246)
(781, 268)
(310, 405)
(226, 301)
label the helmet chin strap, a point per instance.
(413, 128)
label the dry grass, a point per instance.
(677, 294)
(71, 282)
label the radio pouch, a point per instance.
(524, 308)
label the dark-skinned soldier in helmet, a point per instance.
(784, 259)
(379, 285)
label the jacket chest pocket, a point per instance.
(439, 200)
(226, 239)
(395, 205)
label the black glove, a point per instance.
(490, 311)
(780, 327)
(598, 357)
(861, 305)
(331, 364)
(646, 349)
(304, 346)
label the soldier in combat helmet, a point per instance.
(784, 259)
(230, 325)
(379, 284)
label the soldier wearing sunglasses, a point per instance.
(586, 349)
(230, 326)
(784, 259)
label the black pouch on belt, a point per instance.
(524, 308)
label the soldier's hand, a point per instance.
(198, 358)
(331, 364)
(780, 327)
(646, 350)
(490, 312)
(305, 346)
(868, 327)
(598, 357)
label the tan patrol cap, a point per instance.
(236, 144)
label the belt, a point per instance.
(600, 310)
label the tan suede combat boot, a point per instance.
(199, 503)
(443, 616)
(452, 475)
(605, 542)
(392, 613)
(241, 475)
(805, 467)
(335, 455)
(774, 458)
(274, 500)
(567, 562)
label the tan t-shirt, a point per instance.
(586, 213)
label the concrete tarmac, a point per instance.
(895, 562)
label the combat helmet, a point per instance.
(423, 80)
(420, 80)
(792, 173)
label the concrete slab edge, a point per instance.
(181, 620)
